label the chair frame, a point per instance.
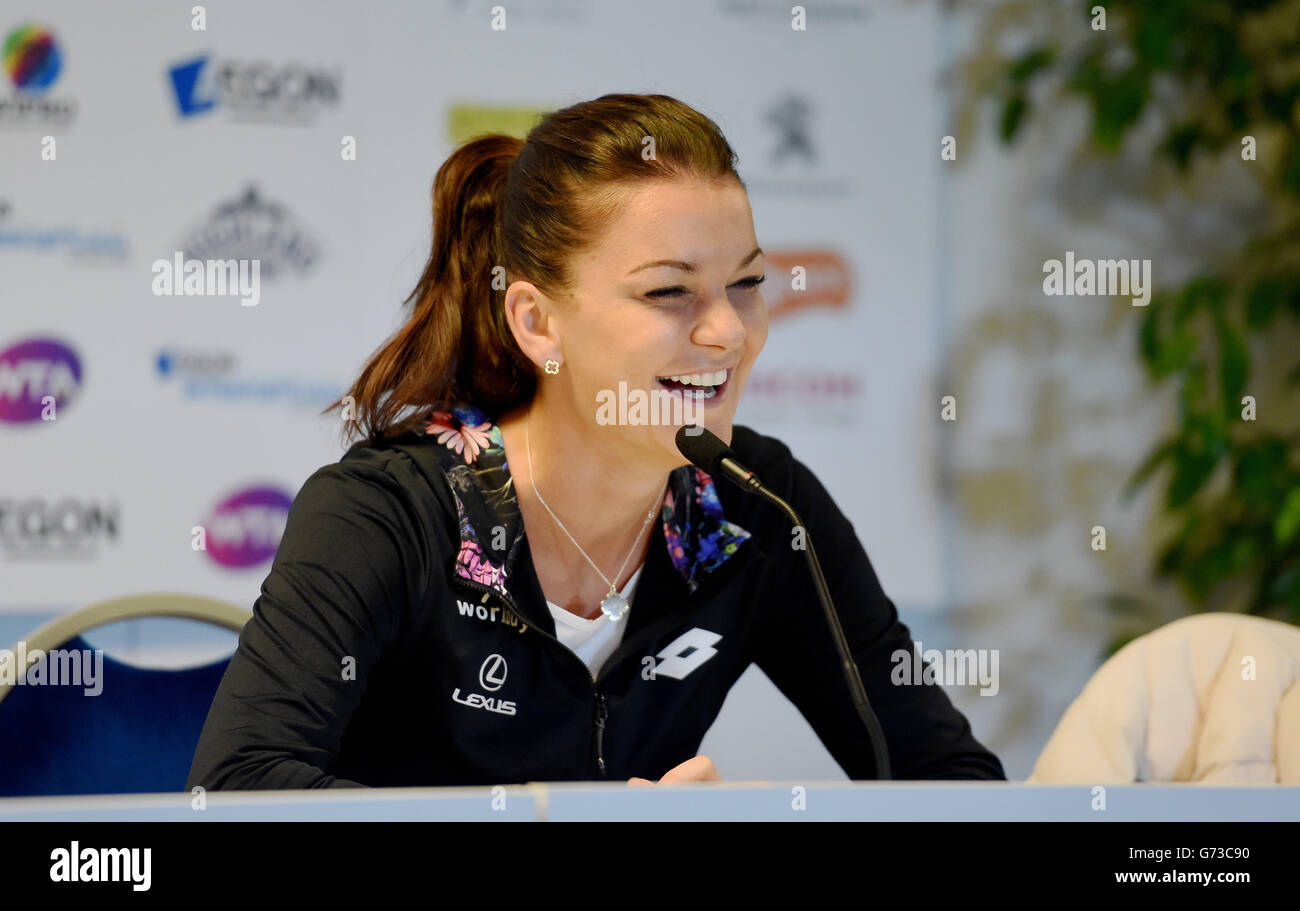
(56, 632)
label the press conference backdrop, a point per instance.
(140, 138)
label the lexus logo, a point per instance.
(493, 673)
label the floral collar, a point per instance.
(698, 535)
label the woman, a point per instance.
(509, 579)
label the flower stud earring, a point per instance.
(552, 367)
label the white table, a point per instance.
(775, 801)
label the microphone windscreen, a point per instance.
(703, 448)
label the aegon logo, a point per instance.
(686, 653)
(37, 377)
(66, 527)
(245, 528)
(491, 676)
(255, 88)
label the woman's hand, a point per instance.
(698, 768)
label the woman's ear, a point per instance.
(531, 315)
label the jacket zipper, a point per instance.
(602, 712)
(602, 708)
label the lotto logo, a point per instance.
(687, 652)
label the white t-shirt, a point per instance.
(593, 640)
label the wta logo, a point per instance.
(245, 528)
(31, 58)
(37, 377)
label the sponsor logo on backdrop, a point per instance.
(465, 120)
(214, 375)
(251, 227)
(33, 59)
(39, 377)
(824, 281)
(805, 383)
(567, 11)
(73, 528)
(811, 395)
(813, 280)
(244, 529)
(837, 12)
(56, 238)
(254, 90)
(791, 163)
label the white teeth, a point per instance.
(716, 378)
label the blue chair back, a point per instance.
(137, 735)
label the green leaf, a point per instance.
(1174, 353)
(1181, 142)
(1290, 176)
(1152, 37)
(1191, 471)
(1260, 475)
(1197, 576)
(1149, 333)
(1013, 114)
(1030, 63)
(1263, 301)
(1207, 433)
(1291, 297)
(1206, 292)
(1285, 583)
(1117, 103)
(1154, 460)
(1174, 554)
(1170, 558)
(1287, 524)
(1215, 564)
(1285, 590)
(1242, 552)
(1234, 365)
(1192, 394)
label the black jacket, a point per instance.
(402, 638)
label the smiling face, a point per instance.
(667, 302)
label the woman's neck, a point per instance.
(598, 491)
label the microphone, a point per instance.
(705, 451)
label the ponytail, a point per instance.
(455, 345)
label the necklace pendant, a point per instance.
(614, 606)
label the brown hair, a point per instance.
(528, 206)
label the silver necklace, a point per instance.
(614, 605)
